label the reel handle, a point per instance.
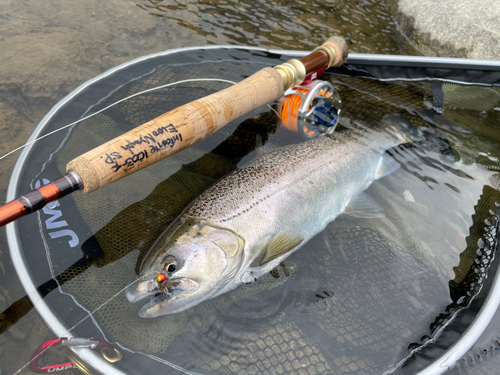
(192, 122)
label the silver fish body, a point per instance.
(251, 220)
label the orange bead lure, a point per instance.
(161, 278)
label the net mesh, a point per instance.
(477, 98)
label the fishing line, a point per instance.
(35, 357)
(106, 302)
(90, 314)
(118, 102)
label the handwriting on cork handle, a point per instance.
(116, 161)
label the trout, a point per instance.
(248, 222)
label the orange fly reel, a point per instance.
(311, 109)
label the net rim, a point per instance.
(423, 61)
(451, 356)
(447, 360)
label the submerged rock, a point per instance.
(454, 28)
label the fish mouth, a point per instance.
(159, 293)
(147, 311)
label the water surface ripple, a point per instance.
(367, 25)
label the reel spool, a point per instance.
(311, 109)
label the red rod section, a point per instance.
(315, 61)
(36, 199)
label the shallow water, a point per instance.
(49, 49)
(367, 26)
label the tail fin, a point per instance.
(402, 129)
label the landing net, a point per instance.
(365, 296)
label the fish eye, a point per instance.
(170, 263)
(170, 267)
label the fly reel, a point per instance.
(311, 109)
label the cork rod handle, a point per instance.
(190, 123)
(174, 131)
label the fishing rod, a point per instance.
(180, 128)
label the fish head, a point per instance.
(196, 258)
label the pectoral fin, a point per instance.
(364, 206)
(282, 243)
